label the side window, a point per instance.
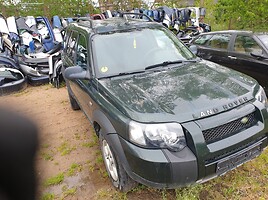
(219, 41)
(81, 52)
(246, 44)
(202, 40)
(71, 45)
(66, 38)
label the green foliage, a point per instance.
(54, 180)
(48, 8)
(241, 14)
(73, 169)
(47, 156)
(68, 192)
(236, 14)
(65, 148)
(48, 196)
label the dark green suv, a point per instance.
(164, 117)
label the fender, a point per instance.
(104, 122)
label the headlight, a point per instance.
(261, 96)
(168, 135)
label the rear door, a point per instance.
(243, 61)
(82, 87)
(77, 53)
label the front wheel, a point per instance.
(116, 172)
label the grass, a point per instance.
(47, 156)
(89, 144)
(110, 194)
(48, 196)
(54, 180)
(73, 169)
(22, 92)
(92, 143)
(65, 148)
(69, 192)
(99, 159)
(45, 146)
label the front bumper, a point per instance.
(201, 160)
(165, 169)
(161, 168)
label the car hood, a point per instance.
(181, 93)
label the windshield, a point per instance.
(127, 52)
(264, 39)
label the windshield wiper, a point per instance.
(123, 74)
(166, 63)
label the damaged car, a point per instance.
(31, 43)
(11, 78)
(164, 117)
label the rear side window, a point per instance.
(246, 44)
(71, 45)
(66, 38)
(81, 52)
(202, 40)
(219, 41)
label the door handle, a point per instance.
(232, 57)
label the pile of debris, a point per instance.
(30, 52)
(186, 22)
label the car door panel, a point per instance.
(244, 62)
(213, 55)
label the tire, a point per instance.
(74, 104)
(115, 170)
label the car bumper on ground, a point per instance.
(35, 81)
(14, 86)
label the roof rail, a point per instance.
(135, 16)
(85, 19)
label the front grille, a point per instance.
(231, 128)
(232, 151)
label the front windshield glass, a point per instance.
(127, 52)
(264, 39)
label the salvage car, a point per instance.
(164, 117)
(11, 78)
(243, 51)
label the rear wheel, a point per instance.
(115, 170)
(74, 104)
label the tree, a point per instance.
(242, 14)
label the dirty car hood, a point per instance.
(179, 94)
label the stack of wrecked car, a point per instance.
(31, 44)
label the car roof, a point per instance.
(115, 24)
(229, 31)
(235, 31)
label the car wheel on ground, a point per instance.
(115, 170)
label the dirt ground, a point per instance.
(67, 147)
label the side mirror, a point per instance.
(75, 72)
(193, 48)
(258, 55)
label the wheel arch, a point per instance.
(102, 123)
